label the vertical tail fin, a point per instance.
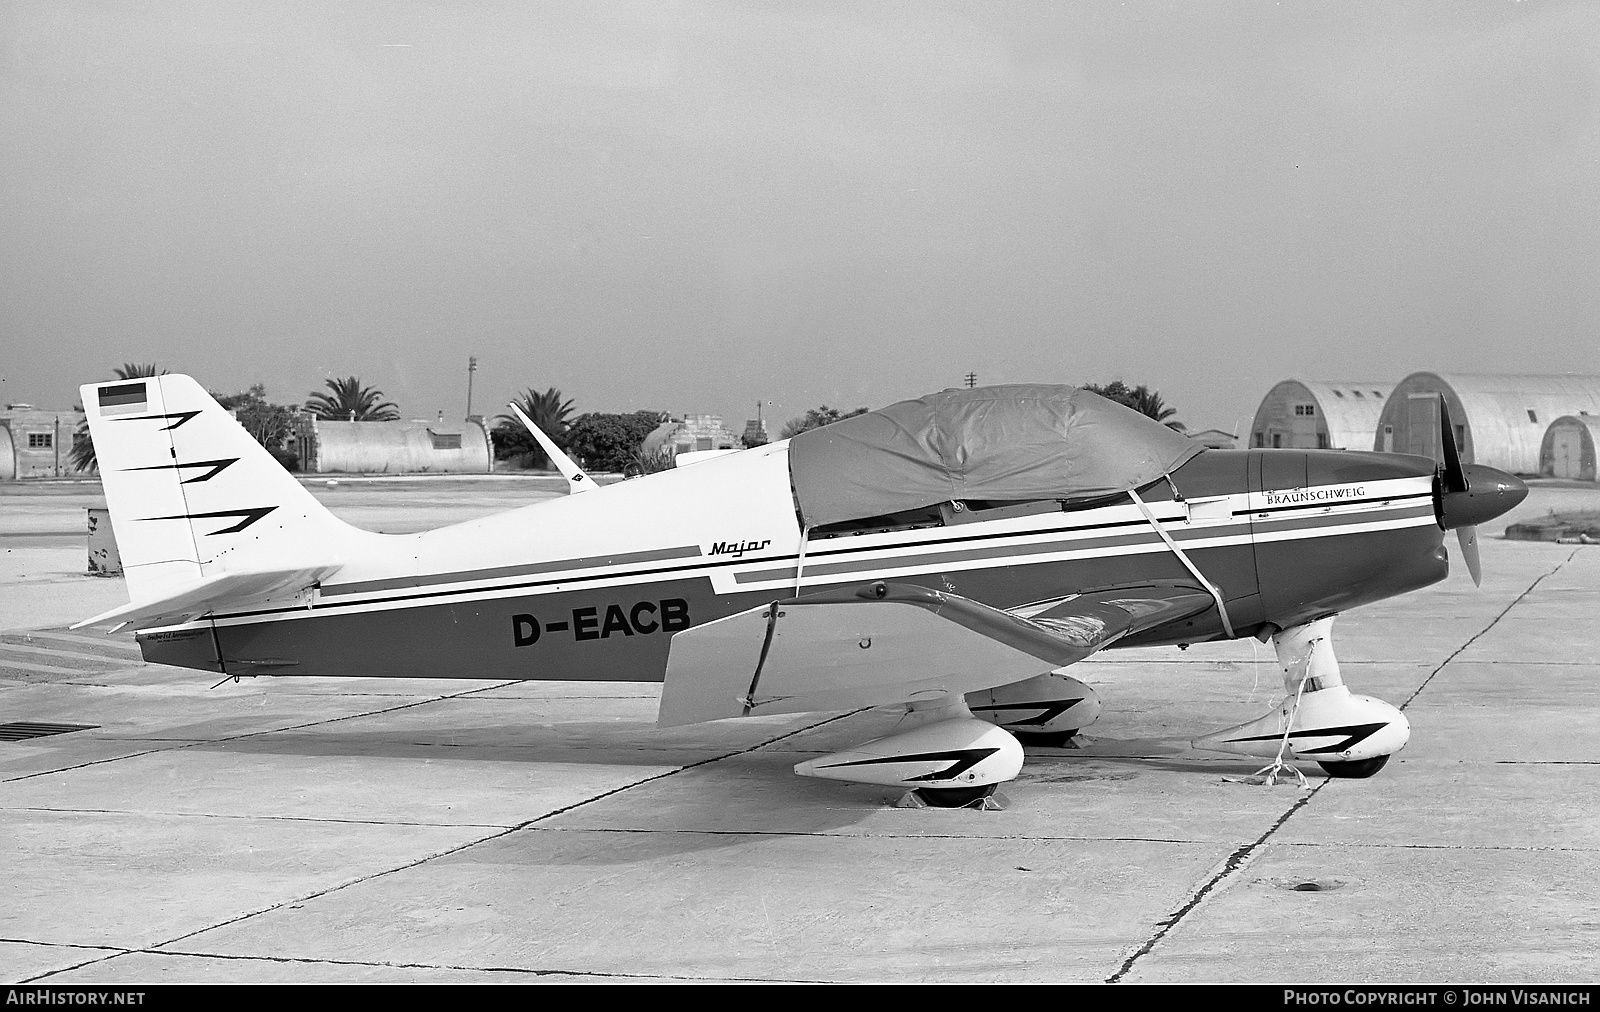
(194, 497)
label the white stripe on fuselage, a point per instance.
(1007, 542)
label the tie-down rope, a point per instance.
(1216, 595)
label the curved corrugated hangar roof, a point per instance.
(1320, 414)
(1500, 419)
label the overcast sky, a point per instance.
(694, 206)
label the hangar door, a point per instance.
(1566, 447)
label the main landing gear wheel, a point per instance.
(946, 758)
(954, 797)
(1358, 769)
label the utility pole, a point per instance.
(472, 367)
(972, 380)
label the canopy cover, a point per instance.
(1024, 441)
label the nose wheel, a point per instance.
(1358, 769)
(1349, 736)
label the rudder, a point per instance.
(192, 495)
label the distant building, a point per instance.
(35, 443)
(706, 432)
(755, 433)
(693, 432)
(1214, 439)
(1320, 414)
(414, 447)
(1500, 420)
(1568, 448)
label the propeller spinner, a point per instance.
(1471, 494)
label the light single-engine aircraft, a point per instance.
(948, 555)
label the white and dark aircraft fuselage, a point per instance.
(1286, 536)
(708, 577)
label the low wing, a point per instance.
(890, 643)
(1145, 606)
(233, 591)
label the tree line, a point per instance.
(598, 441)
(271, 424)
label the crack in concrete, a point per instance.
(117, 949)
(448, 850)
(1528, 848)
(388, 964)
(1492, 623)
(254, 734)
(1237, 859)
(878, 836)
(1233, 863)
(260, 818)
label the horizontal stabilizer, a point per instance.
(577, 481)
(876, 645)
(230, 591)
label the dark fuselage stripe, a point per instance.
(532, 568)
(978, 554)
(1337, 503)
(1079, 544)
(1300, 523)
(1074, 545)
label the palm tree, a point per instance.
(548, 411)
(351, 402)
(815, 418)
(1140, 398)
(83, 456)
(1148, 402)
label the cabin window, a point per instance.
(1259, 440)
(905, 520)
(1305, 410)
(39, 440)
(1340, 393)
(1358, 394)
(1533, 417)
(1322, 440)
(445, 440)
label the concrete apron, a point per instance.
(383, 830)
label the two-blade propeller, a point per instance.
(1470, 494)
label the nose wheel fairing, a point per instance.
(1318, 718)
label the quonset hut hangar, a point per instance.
(1500, 420)
(1320, 414)
(1568, 450)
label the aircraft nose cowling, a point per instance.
(1490, 493)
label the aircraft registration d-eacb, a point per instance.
(947, 555)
